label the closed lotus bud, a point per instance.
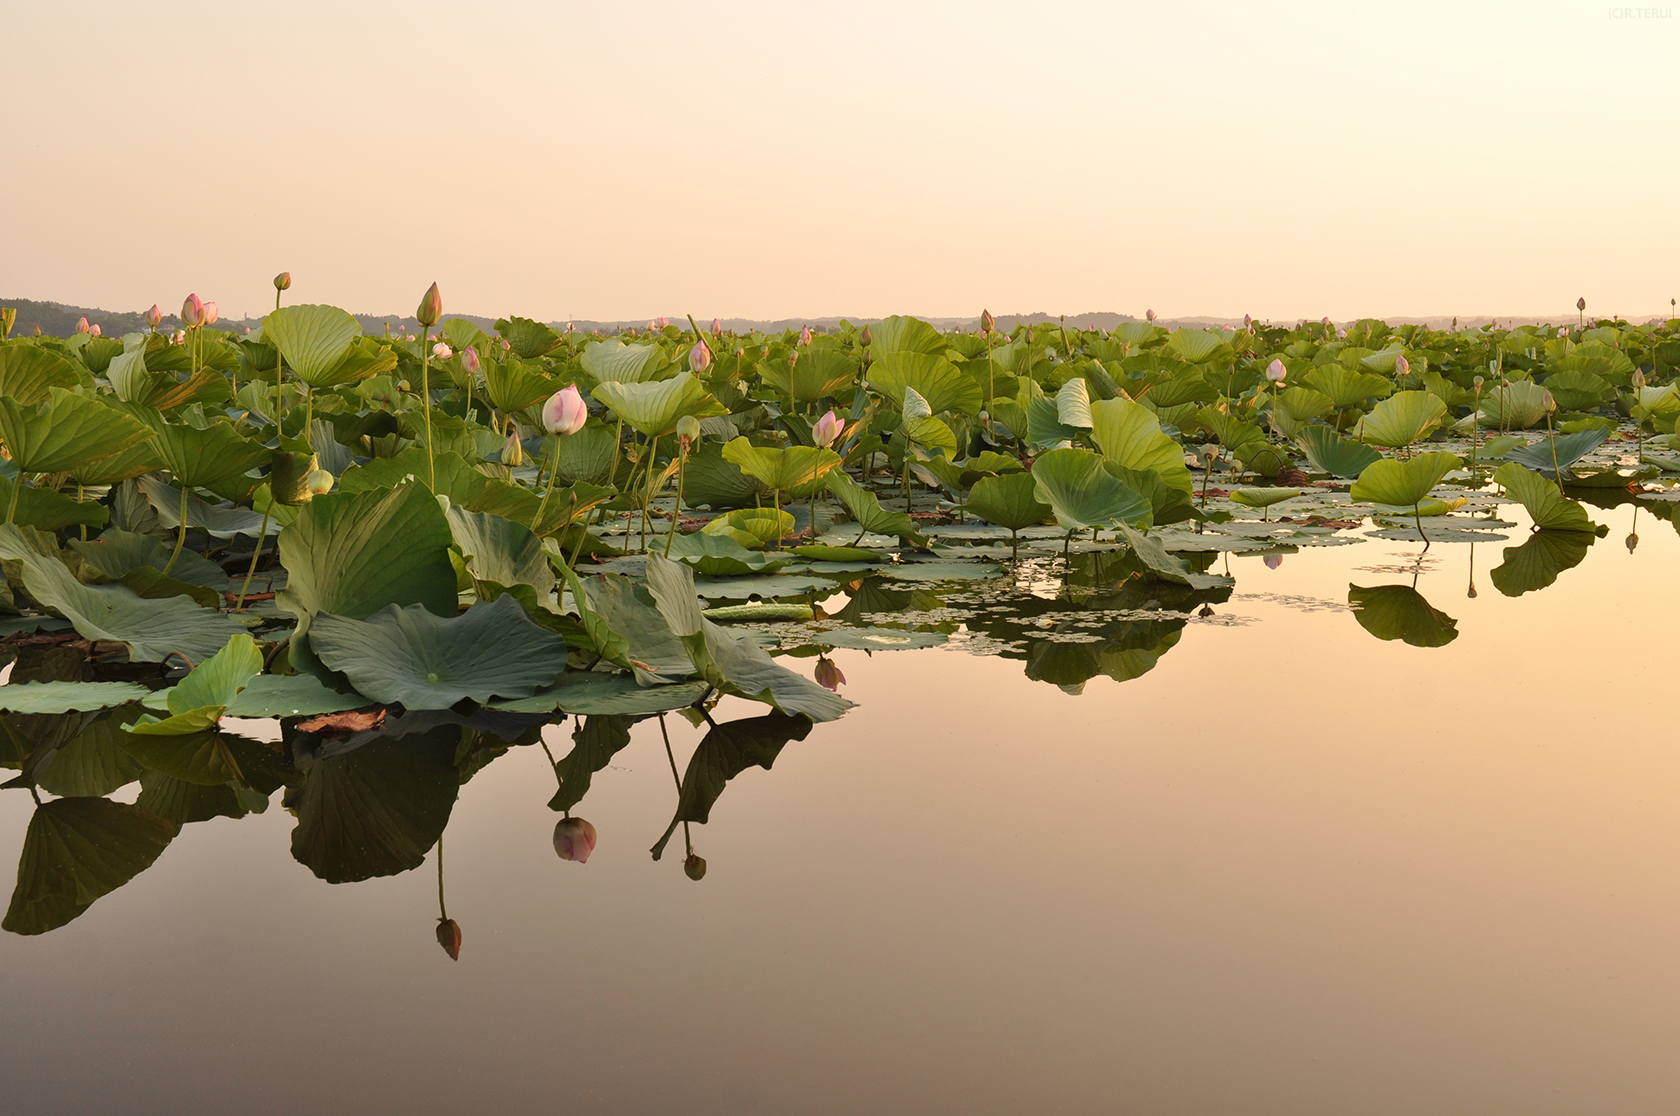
(867, 338)
(95, 330)
(1247, 321)
(81, 325)
(805, 336)
(1273, 561)
(828, 429)
(688, 430)
(699, 357)
(1149, 315)
(1325, 320)
(1472, 593)
(283, 281)
(828, 675)
(663, 322)
(1341, 333)
(192, 312)
(1581, 303)
(430, 308)
(986, 321)
(1401, 366)
(210, 313)
(1638, 378)
(1632, 541)
(449, 937)
(154, 316)
(565, 412)
(695, 867)
(513, 451)
(442, 351)
(717, 328)
(320, 482)
(469, 361)
(574, 839)
(1276, 371)
(1547, 401)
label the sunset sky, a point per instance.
(769, 160)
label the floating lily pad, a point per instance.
(64, 697)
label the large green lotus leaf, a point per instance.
(1073, 404)
(197, 701)
(1195, 345)
(93, 763)
(731, 665)
(1263, 497)
(65, 432)
(650, 649)
(1346, 387)
(1329, 452)
(595, 740)
(767, 525)
(903, 334)
(202, 757)
(1402, 419)
(354, 553)
(513, 386)
(653, 408)
(719, 556)
(791, 469)
(1294, 408)
(612, 361)
(500, 550)
(1565, 451)
(929, 433)
(866, 509)
(49, 510)
(1129, 435)
(63, 697)
(817, 374)
(150, 629)
(1167, 503)
(1517, 405)
(1579, 391)
(116, 552)
(1009, 501)
(935, 379)
(28, 374)
(727, 750)
(1400, 612)
(710, 481)
(313, 340)
(591, 693)
(527, 338)
(1044, 425)
(1537, 562)
(77, 850)
(375, 807)
(1165, 566)
(1081, 493)
(129, 463)
(291, 695)
(222, 522)
(205, 456)
(1550, 509)
(1401, 483)
(587, 456)
(415, 658)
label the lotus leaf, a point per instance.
(314, 340)
(1399, 612)
(198, 701)
(796, 470)
(77, 850)
(1402, 419)
(942, 384)
(767, 525)
(1346, 387)
(1550, 509)
(1402, 483)
(28, 374)
(1568, 449)
(1329, 452)
(816, 375)
(1130, 436)
(528, 339)
(64, 697)
(612, 361)
(1081, 493)
(1164, 566)
(65, 432)
(1010, 500)
(716, 555)
(653, 408)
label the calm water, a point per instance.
(1291, 869)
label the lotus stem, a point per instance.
(17, 489)
(262, 537)
(426, 405)
(553, 471)
(1417, 517)
(180, 539)
(279, 395)
(676, 513)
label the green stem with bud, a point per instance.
(180, 539)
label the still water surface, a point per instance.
(1291, 869)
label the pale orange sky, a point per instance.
(773, 160)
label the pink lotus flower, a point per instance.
(154, 316)
(210, 313)
(442, 351)
(565, 412)
(95, 330)
(177, 337)
(828, 429)
(805, 336)
(1276, 371)
(663, 322)
(192, 312)
(81, 325)
(469, 360)
(699, 357)
(574, 839)
(828, 675)
(1401, 366)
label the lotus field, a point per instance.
(355, 532)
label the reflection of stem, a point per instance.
(443, 912)
(1417, 517)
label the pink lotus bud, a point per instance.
(1247, 321)
(409, 337)
(449, 937)
(1547, 401)
(1341, 333)
(513, 451)
(95, 330)
(192, 312)
(1276, 371)
(695, 867)
(699, 357)
(828, 429)
(717, 328)
(81, 325)
(565, 412)
(1149, 315)
(805, 336)
(574, 839)
(987, 321)
(663, 322)
(1563, 331)
(430, 308)
(283, 281)
(154, 316)
(828, 675)
(1273, 561)
(210, 313)
(1401, 366)
(1325, 320)
(506, 345)
(866, 338)
(442, 351)
(1581, 303)
(469, 360)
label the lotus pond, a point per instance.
(1262, 719)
